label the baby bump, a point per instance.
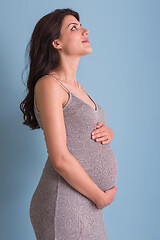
(99, 161)
(106, 170)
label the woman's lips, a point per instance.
(86, 40)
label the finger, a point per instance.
(115, 189)
(99, 133)
(99, 124)
(104, 138)
(106, 142)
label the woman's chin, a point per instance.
(87, 51)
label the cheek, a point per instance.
(74, 38)
(72, 42)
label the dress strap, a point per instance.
(83, 88)
(60, 82)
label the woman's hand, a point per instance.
(108, 198)
(103, 133)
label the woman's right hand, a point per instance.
(108, 198)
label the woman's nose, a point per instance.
(86, 31)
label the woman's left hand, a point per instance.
(103, 133)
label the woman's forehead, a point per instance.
(68, 20)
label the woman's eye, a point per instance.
(73, 27)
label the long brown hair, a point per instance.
(43, 57)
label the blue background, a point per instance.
(122, 74)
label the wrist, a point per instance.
(100, 198)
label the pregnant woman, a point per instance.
(79, 176)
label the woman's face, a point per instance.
(72, 35)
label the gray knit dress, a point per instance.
(57, 210)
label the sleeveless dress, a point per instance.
(57, 210)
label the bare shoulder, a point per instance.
(49, 91)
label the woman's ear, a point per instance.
(56, 44)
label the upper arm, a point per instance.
(49, 98)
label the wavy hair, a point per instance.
(43, 58)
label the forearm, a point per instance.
(71, 170)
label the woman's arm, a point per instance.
(50, 97)
(71, 170)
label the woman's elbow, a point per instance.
(59, 160)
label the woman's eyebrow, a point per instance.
(74, 23)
